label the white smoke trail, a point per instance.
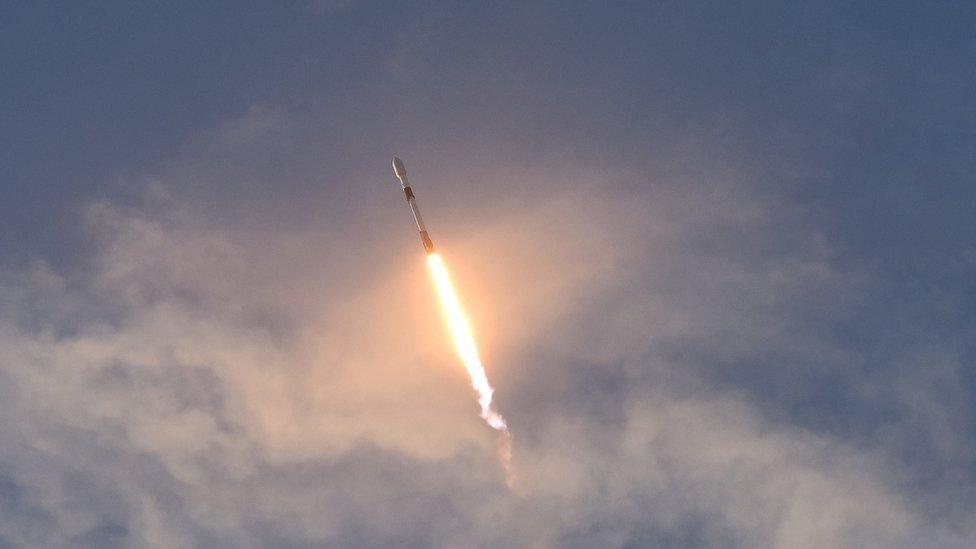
(464, 341)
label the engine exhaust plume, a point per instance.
(464, 341)
(468, 351)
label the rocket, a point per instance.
(401, 173)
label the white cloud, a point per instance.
(212, 383)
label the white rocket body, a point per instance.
(401, 173)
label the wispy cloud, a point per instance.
(207, 383)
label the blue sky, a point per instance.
(719, 259)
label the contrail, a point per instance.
(458, 323)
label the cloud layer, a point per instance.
(664, 357)
(700, 332)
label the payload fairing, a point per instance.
(401, 173)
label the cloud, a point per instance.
(667, 357)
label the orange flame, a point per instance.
(464, 341)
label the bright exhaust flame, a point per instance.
(464, 341)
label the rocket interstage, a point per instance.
(460, 329)
(401, 173)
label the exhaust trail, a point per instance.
(468, 351)
(464, 341)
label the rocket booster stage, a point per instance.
(401, 173)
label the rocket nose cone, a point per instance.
(398, 169)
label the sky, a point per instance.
(719, 259)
